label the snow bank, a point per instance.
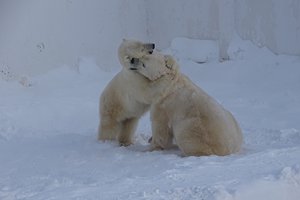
(64, 107)
(286, 186)
(48, 146)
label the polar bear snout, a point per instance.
(135, 62)
(150, 47)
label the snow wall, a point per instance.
(271, 23)
(37, 35)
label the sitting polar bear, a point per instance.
(125, 98)
(183, 111)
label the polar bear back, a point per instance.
(218, 127)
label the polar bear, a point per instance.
(183, 111)
(124, 100)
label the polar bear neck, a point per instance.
(166, 86)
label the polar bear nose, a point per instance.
(153, 46)
(150, 47)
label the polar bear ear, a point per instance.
(169, 60)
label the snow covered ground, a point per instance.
(49, 151)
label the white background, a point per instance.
(37, 35)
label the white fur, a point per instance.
(124, 100)
(180, 109)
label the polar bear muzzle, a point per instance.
(135, 62)
(150, 47)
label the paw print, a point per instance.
(5, 73)
(40, 46)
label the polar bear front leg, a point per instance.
(161, 133)
(127, 131)
(108, 129)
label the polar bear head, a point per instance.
(155, 66)
(130, 49)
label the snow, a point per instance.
(48, 133)
(46, 34)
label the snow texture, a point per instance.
(49, 151)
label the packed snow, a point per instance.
(48, 125)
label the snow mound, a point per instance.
(286, 186)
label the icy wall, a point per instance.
(271, 23)
(204, 19)
(37, 35)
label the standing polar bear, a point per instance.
(125, 98)
(183, 111)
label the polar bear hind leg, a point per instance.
(191, 138)
(162, 135)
